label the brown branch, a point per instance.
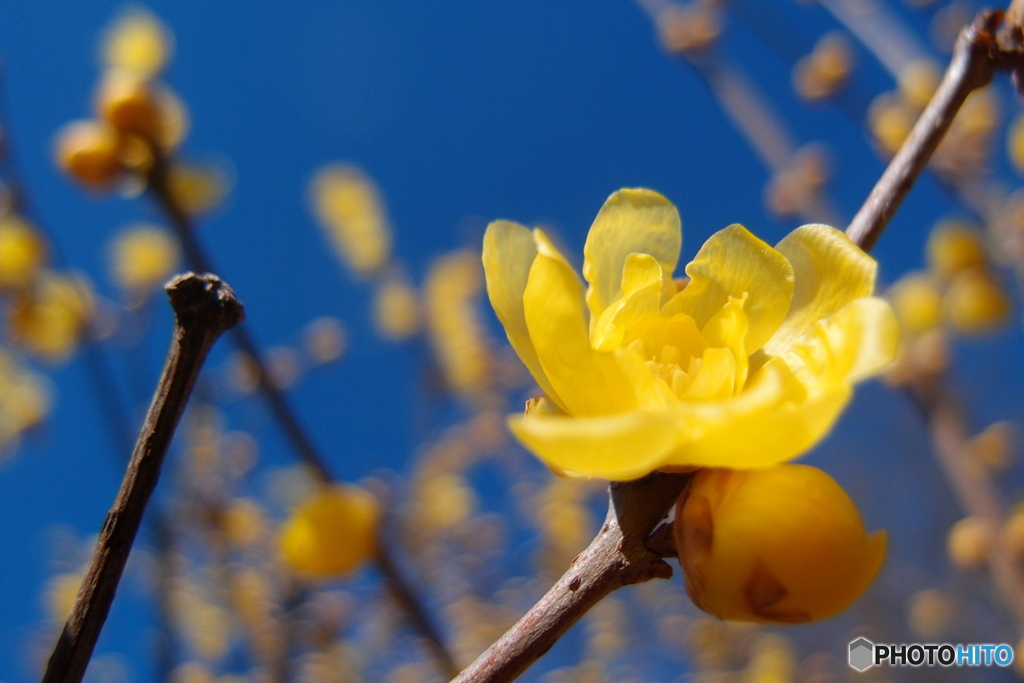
(204, 308)
(975, 60)
(616, 557)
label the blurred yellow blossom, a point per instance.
(954, 246)
(137, 44)
(22, 251)
(129, 105)
(917, 301)
(918, 81)
(969, 542)
(749, 365)
(89, 153)
(197, 188)
(49, 320)
(243, 522)
(351, 212)
(324, 340)
(143, 258)
(782, 544)
(823, 72)
(975, 302)
(690, 27)
(890, 121)
(332, 532)
(61, 591)
(396, 309)
(456, 332)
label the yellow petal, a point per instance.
(509, 251)
(632, 221)
(732, 263)
(712, 377)
(848, 346)
(587, 382)
(831, 271)
(621, 447)
(729, 329)
(773, 420)
(641, 287)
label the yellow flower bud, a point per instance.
(969, 542)
(129, 105)
(396, 309)
(975, 303)
(138, 44)
(88, 151)
(891, 121)
(49, 320)
(918, 82)
(931, 613)
(332, 532)
(22, 251)
(144, 257)
(782, 544)
(690, 28)
(954, 247)
(352, 213)
(324, 340)
(917, 302)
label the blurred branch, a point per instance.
(204, 308)
(879, 31)
(283, 412)
(972, 485)
(616, 557)
(749, 111)
(159, 186)
(409, 603)
(975, 59)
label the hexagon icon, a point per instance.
(862, 654)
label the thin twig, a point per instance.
(973, 65)
(287, 418)
(204, 308)
(616, 557)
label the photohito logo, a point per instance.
(863, 654)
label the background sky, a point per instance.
(462, 112)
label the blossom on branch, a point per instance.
(746, 364)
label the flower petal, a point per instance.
(621, 447)
(632, 221)
(641, 287)
(509, 251)
(587, 382)
(846, 347)
(732, 263)
(773, 420)
(831, 271)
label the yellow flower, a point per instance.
(781, 544)
(333, 532)
(748, 365)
